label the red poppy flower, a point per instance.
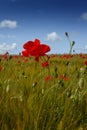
(35, 49)
(5, 57)
(86, 63)
(0, 68)
(26, 60)
(40, 50)
(63, 77)
(80, 54)
(19, 62)
(49, 77)
(45, 64)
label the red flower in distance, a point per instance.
(45, 64)
(63, 77)
(26, 60)
(48, 78)
(85, 63)
(0, 68)
(19, 62)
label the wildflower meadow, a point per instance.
(41, 91)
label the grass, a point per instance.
(29, 101)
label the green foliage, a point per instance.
(29, 102)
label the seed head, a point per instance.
(81, 83)
(82, 70)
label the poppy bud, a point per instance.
(23, 73)
(42, 90)
(81, 83)
(55, 69)
(34, 84)
(73, 50)
(67, 63)
(73, 43)
(82, 70)
(68, 93)
(7, 88)
(66, 33)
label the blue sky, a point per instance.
(47, 20)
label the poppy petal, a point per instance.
(44, 49)
(28, 45)
(37, 41)
(25, 53)
(40, 50)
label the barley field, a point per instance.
(44, 95)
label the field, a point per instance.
(43, 95)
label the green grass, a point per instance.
(28, 102)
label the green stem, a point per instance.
(71, 43)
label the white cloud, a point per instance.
(81, 49)
(84, 16)
(11, 36)
(7, 36)
(86, 47)
(52, 37)
(4, 47)
(8, 24)
(14, 45)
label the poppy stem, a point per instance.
(72, 43)
(48, 70)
